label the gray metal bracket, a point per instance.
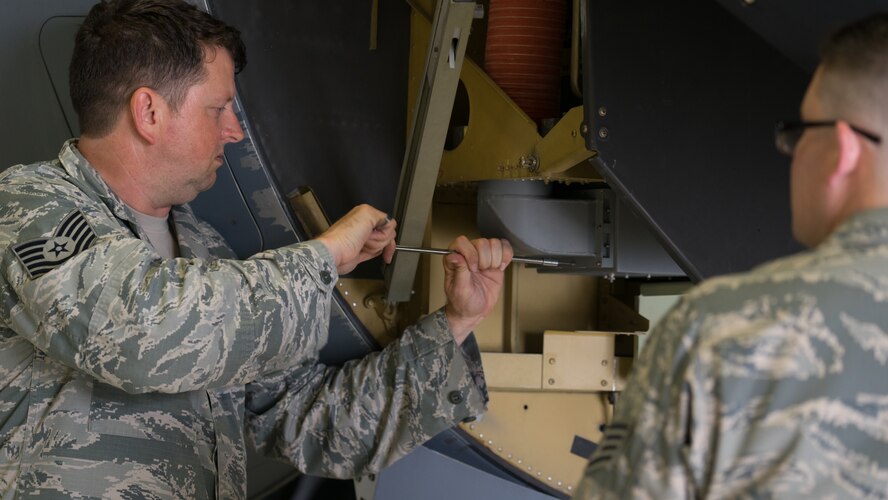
(425, 146)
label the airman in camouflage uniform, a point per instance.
(773, 383)
(126, 374)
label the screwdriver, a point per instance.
(522, 260)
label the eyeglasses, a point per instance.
(787, 134)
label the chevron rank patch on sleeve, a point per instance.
(42, 255)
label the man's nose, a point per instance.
(233, 131)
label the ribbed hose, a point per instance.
(523, 52)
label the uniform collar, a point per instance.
(84, 173)
(869, 227)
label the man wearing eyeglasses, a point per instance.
(774, 383)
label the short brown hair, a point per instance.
(860, 47)
(126, 44)
(854, 60)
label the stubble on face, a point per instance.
(199, 130)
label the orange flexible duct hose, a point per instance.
(523, 52)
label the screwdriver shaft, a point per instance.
(522, 260)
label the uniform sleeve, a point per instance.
(115, 310)
(351, 421)
(647, 451)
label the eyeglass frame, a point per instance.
(786, 143)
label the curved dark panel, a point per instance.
(56, 45)
(681, 99)
(459, 445)
(328, 111)
(32, 120)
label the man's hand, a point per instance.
(360, 235)
(473, 277)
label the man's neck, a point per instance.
(120, 166)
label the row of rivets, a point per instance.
(518, 461)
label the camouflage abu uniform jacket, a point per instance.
(123, 375)
(770, 384)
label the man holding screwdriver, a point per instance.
(138, 357)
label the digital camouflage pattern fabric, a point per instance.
(124, 375)
(770, 384)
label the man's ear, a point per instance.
(849, 151)
(146, 109)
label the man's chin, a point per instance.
(208, 182)
(198, 188)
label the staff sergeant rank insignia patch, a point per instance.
(42, 255)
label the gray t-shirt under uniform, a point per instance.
(159, 235)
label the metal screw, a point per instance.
(603, 132)
(584, 129)
(603, 362)
(604, 383)
(602, 111)
(551, 361)
(551, 381)
(530, 163)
